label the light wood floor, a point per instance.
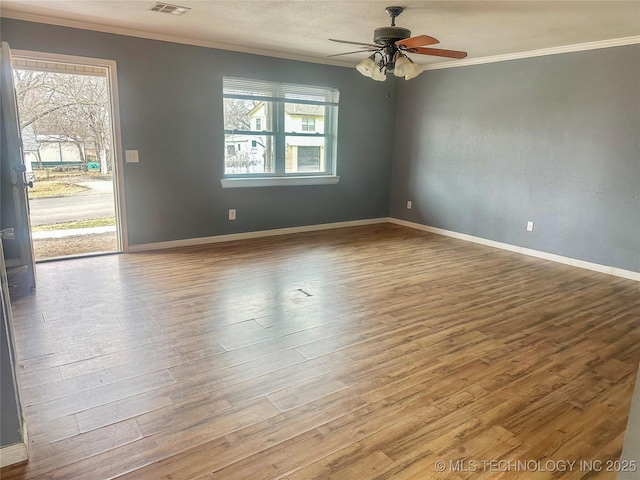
(371, 352)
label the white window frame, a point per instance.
(280, 94)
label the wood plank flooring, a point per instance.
(363, 353)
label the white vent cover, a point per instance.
(170, 9)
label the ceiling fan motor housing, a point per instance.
(386, 35)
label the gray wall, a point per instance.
(479, 150)
(171, 111)
(483, 149)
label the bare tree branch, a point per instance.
(72, 106)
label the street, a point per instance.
(96, 203)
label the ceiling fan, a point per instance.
(389, 51)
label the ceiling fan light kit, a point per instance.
(389, 47)
(370, 68)
(413, 75)
(367, 67)
(404, 67)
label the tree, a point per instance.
(237, 116)
(236, 113)
(73, 106)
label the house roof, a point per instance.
(297, 109)
(304, 110)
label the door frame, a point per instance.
(118, 161)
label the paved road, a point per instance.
(95, 203)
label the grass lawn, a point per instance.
(52, 188)
(58, 184)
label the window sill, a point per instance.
(278, 181)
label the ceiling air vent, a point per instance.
(170, 9)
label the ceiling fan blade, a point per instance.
(349, 53)
(356, 43)
(438, 52)
(417, 41)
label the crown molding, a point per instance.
(578, 47)
(130, 32)
(61, 22)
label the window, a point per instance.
(308, 124)
(279, 130)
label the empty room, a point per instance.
(347, 240)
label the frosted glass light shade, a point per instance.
(414, 72)
(403, 66)
(367, 67)
(378, 75)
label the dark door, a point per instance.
(14, 212)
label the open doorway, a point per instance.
(65, 106)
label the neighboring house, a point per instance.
(60, 149)
(304, 154)
(48, 149)
(246, 153)
(250, 153)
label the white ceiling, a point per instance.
(301, 29)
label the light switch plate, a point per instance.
(131, 156)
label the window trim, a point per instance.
(268, 181)
(281, 94)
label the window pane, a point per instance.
(248, 154)
(247, 115)
(304, 154)
(303, 118)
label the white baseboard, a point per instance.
(619, 272)
(189, 242)
(16, 453)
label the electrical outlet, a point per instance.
(409, 204)
(529, 226)
(232, 214)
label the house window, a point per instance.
(294, 129)
(308, 124)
